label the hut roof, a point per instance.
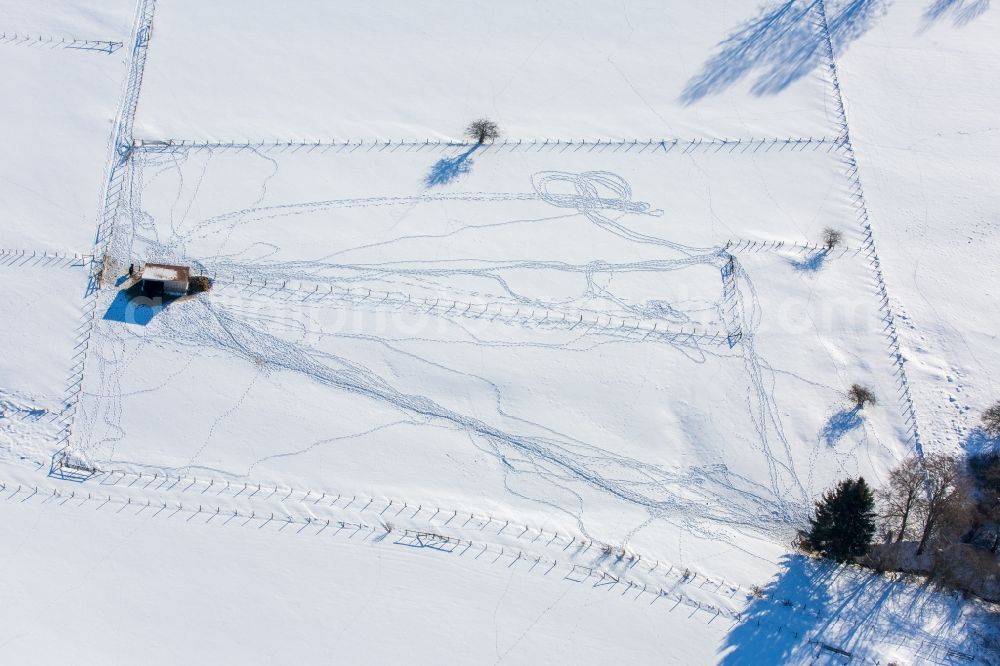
(165, 273)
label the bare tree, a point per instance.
(861, 396)
(482, 130)
(902, 498)
(991, 420)
(953, 505)
(946, 504)
(832, 238)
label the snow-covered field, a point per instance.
(562, 397)
(57, 132)
(410, 70)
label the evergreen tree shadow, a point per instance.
(840, 424)
(448, 169)
(815, 611)
(775, 626)
(960, 11)
(781, 45)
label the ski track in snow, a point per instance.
(696, 497)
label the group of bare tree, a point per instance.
(924, 499)
(940, 516)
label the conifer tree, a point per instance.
(844, 524)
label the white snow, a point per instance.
(239, 594)
(56, 133)
(921, 89)
(562, 397)
(402, 69)
(40, 25)
(45, 314)
(42, 300)
(164, 272)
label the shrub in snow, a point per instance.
(482, 130)
(832, 238)
(861, 396)
(199, 283)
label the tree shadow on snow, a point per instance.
(448, 169)
(812, 263)
(781, 45)
(815, 611)
(979, 443)
(961, 11)
(840, 424)
(776, 625)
